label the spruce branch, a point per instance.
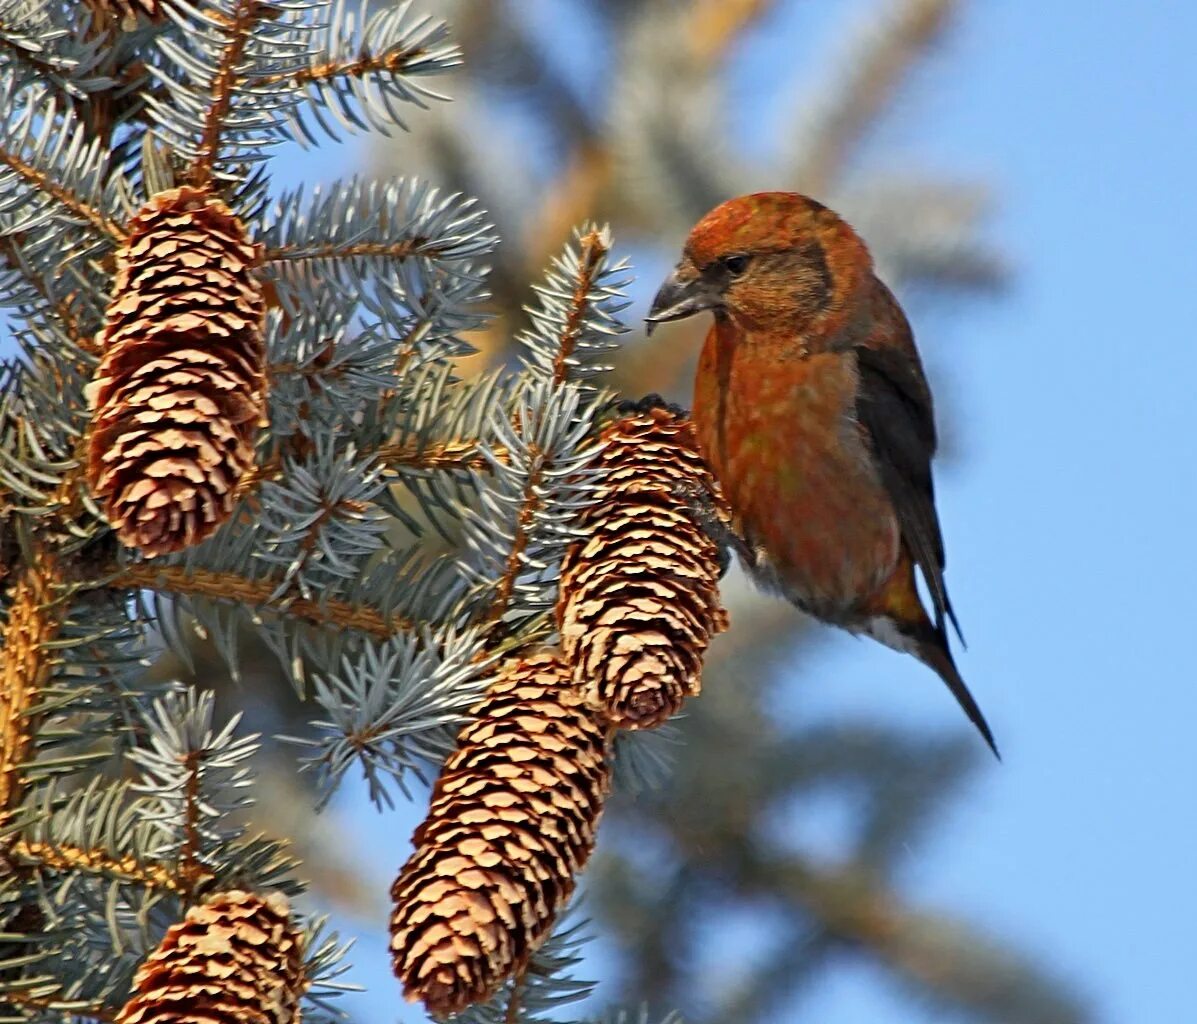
(365, 402)
(529, 503)
(593, 249)
(457, 454)
(21, 49)
(516, 537)
(392, 708)
(362, 66)
(41, 181)
(75, 859)
(60, 306)
(395, 62)
(264, 592)
(321, 518)
(239, 27)
(575, 319)
(346, 231)
(358, 250)
(194, 775)
(54, 173)
(100, 831)
(36, 614)
(189, 847)
(42, 999)
(535, 494)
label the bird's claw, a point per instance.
(701, 506)
(649, 402)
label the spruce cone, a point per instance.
(180, 390)
(512, 819)
(235, 958)
(640, 596)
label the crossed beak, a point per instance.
(679, 298)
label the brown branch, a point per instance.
(505, 585)
(445, 455)
(62, 195)
(271, 469)
(872, 82)
(221, 88)
(394, 62)
(72, 1008)
(226, 586)
(716, 24)
(389, 250)
(712, 29)
(126, 868)
(512, 1016)
(943, 956)
(437, 455)
(592, 252)
(87, 342)
(35, 617)
(189, 867)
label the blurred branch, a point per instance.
(942, 959)
(891, 42)
(329, 613)
(710, 28)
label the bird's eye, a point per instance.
(735, 265)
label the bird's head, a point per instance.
(767, 261)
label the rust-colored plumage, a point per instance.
(814, 413)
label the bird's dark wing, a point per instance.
(893, 407)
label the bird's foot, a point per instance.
(708, 517)
(649, 402)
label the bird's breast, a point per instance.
(779, 430)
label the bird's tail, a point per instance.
(897, 618)
(931, 648)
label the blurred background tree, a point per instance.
(773, 847)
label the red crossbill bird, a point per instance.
(814, 414)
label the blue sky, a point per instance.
(1068, 508)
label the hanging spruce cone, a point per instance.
(512, 820)
(234, 958)
(180, 391)
(639, 596)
